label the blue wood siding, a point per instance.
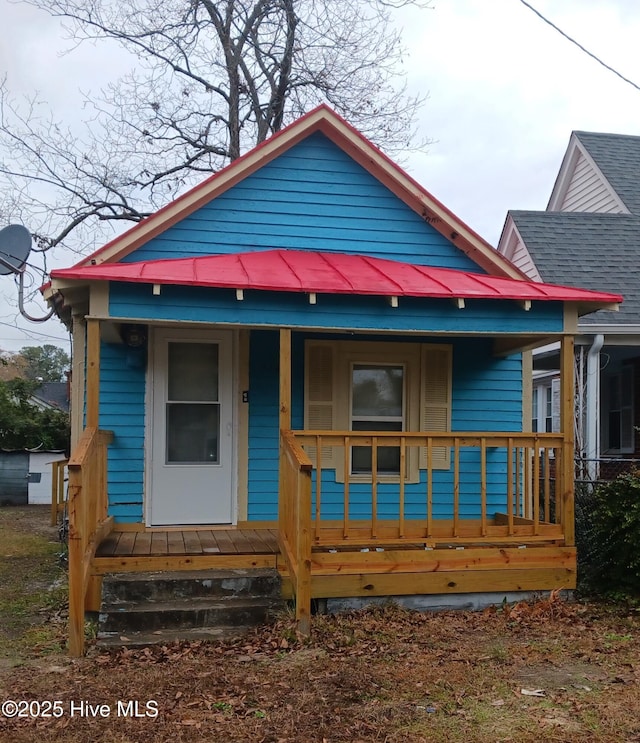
(198, 304)
(264, 425)
(122, 393)
(487, 396)
(312, 197)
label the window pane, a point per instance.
(388, 456)
(614, 429)
(614, 392)
(549, 402)
(626, 428)
(193, 433)
(193, 371)
(377, 390)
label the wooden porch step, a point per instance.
(138, 639)
(159, 586)
(196, 612)
(147, 608)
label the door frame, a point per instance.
(209, 333)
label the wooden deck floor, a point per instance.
(191, 542)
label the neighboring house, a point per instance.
(590, 237)
(309, 344)
(52, 395)
(25, 476)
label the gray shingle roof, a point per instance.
(618, 157)
(589, 250)
(54, 394)
(592, 251)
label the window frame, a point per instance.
(375, 419)
(623, 377)
(544, 408)
(378, 353)
(428, 397)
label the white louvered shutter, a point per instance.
(319, 411)
(435, 399)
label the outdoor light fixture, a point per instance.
(134, 336)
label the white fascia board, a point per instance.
(545, 374)
(613, 336)
(514, 248)
(549, 348)
(565, 175)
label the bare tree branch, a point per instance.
(212, 78)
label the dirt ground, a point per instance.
(32, 584)
(546, 671)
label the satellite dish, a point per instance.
(15, 245)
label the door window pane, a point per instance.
(193, 372)
(193, 433)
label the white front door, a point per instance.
(192, 439)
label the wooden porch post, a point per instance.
(93, 373)
(567, 479)
(78, 377)
(93, 595)
(284, 400)
(284, 419)
(81, 594)
(285, 379)
(76, 577)
(302, 494)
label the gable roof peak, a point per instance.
(584, 134)
(325, 120)
(595, 174)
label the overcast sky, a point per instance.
(505, 92)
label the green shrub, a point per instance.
(611, 538)
(26, 426)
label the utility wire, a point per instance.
(573, 41)
(30, 333)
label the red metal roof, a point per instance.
(329, 273)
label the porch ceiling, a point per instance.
(333, 273)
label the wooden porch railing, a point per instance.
(58, 469)
(295, 523)
(88, 526)
(532, 504)
(514, 486)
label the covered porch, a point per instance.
(504, 524)
(508, 524)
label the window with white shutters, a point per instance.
(377, 387)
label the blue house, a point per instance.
(307, 362)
